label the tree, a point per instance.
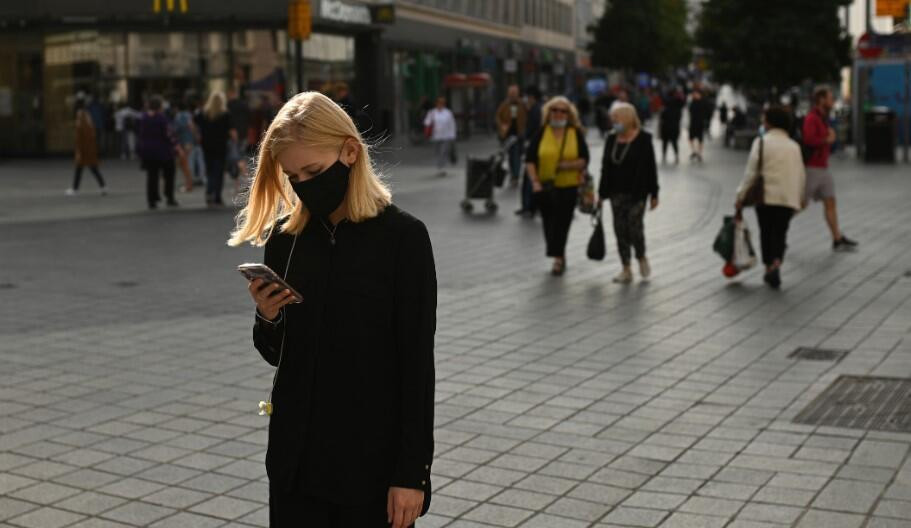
(642, 36)
(770, 46)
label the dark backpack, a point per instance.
(806, 151)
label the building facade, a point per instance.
(53, 52)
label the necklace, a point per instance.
(330, 231)
(613, 152)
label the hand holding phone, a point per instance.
(269, 291)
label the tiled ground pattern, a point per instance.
(561, 403)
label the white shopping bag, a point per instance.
(744, 256)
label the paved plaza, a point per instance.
(129, 383)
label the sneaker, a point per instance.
(624, 277)
(70, 192)
(644, 269)
(172, 203)
(773, 278)
(844, 244)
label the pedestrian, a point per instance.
(602, 111)
(197, 158)
(239, 110)
(556, 161)
(629, 179)
(86, 151)
(351, 424)
(818, 138)
(698, 119)
(783, 185)
(125, 119)
(669, 129)
(156, 147)
(185, 132)
(511, 117)
(442, 125)
(533, 104)
(723, 113)
(215, 131)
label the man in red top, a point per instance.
(818, 137)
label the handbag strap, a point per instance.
(759, 165)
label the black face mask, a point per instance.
(323, 193)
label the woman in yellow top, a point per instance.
(556, 160)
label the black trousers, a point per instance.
(773, 231)
(557, 206)
(305, 511)
(154, 170)
(215, 178)
(77, 177)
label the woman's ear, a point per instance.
(350, 151)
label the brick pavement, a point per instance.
(128, 381)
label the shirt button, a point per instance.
(426, 467)
(423, 483)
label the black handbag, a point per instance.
(596, 246)
(755, 195)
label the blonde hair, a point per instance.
(574, 120)
(626, 113)
(215, 105)
(312, 120)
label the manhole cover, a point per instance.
(7, 285)
(817, 354)
(126, 284)
(861, 402)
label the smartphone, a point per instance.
(253, 271)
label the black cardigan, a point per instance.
(353, 401)
(635, 175)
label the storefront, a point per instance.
(110, 56)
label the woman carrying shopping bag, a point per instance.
(629, 176)
(774, 182)
(556, 160)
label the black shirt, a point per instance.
(214, 134)
(635, 174)
(353, 400)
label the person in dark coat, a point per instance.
(216, 130)
(156, 146)
(700, 112)
(670, 123)
(532, 126)
(351, 407)
(629, 179)
(86, 152)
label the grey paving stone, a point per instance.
(893, 508)
(690, 520)
(627, 516)
(816, 518)
(188, 520)
(90, 503)
(711, 506)
(578, 509)
(225, 507)
(849, 496)
(46, 517)
(770, 513)
(498, 515)
(528, 500)
(137, 513)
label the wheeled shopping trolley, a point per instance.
(482, 175)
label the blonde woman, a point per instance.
(556, 160)
(215, 130)
(86, 150)
(629, 178)
(351, 430)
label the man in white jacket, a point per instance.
(775, 164)
(442, 125)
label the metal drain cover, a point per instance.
(862, 402)
(817, 354)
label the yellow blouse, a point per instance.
(549, 156)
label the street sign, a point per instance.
(867, 48)
(300, 19)
(892, 8)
